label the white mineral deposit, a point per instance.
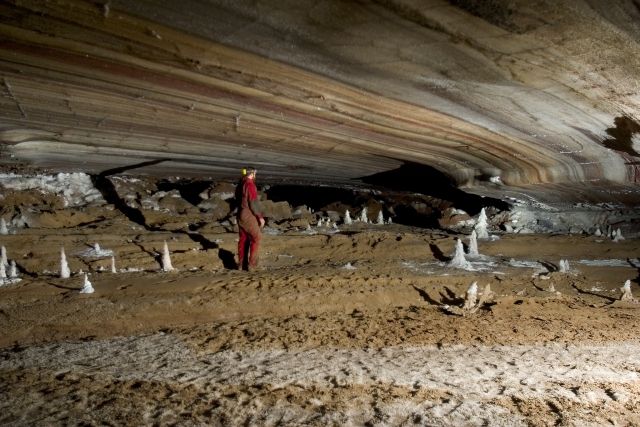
(458, 260)
(363, 215)
(380, 220)
(626, 292)
(471, 297)
(3, 227)
(481, 226)
(473, 244)
(87, 288)
(13, 270)
(617, 236)
(347, 218)
(563, 266)
(166, 258)
(65, 273)
(3, 256)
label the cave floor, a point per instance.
(361, 327)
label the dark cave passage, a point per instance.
(418, 178)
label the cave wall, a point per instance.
(497, 94)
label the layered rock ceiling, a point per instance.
(543, 93)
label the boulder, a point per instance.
(452, 219)
(276, 210)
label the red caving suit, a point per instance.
(248, 225)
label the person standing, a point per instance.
(250, 221)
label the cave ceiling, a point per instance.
(494, 94)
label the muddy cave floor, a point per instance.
(344, 328)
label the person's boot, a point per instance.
(254, 267)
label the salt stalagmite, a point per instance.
(363, 215)
(3, 256)
(598, 233)
(458, 260)
(563, 266)
(65, 273)
(626, 292)
(347, 218)
(166, 259)
(471, 297)
(481, 226)
(87, 288)
(113, 265)
(3, 273)
(3, 227)
(96, 247)
(617, 235)
(348, 266)
(380, 220)
(13, 270)
(473, 244)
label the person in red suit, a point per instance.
(250, 221)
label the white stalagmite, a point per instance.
(87, 288)
(473, 244)
(563, 266)
(363, 215)
(598, 233)
(380, 220)
(3, 256)
(347, 218)
(458, 260)
(551, 287)
(389, 221)
(13, 270)
(626, 292)
(65, 273)
(481, 226)
(471, 297)
(3, 273)
(166, 259)
(3, 227)
(96, 247)
(617, 235)
(113, 265)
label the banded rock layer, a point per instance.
(494, 93)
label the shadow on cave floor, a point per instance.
(110, 194)
(423, 179)
(104, 185)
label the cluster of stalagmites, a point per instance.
(9, 270)
(471, 301)
(459, 260)
(614, 235)
(364, 218)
